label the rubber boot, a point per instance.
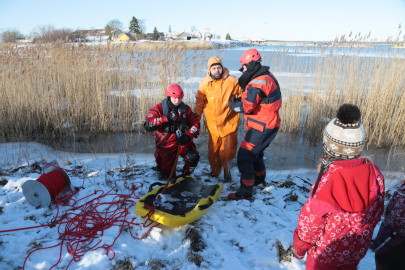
(214, 173)
(227, 177)
(245, 191)
(188, 171)
(164, 175)
(260, 178)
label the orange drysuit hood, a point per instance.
(216, 61)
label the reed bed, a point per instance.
(56, 90)
(376, 85)
(59, 90)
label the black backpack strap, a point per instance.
(183, 117)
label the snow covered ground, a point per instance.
(231, 235)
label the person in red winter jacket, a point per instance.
(174, 126)
(389, 245)
(336, 223)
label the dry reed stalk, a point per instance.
(58, 90)
(374, 84)
(50, 87)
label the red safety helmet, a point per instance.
(174, 90)
(249, 56)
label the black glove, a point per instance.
(183, 139)
(235, 104)
(173, 116)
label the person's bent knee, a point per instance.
(192, 158)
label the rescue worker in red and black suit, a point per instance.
(174, 126)
(260, 103)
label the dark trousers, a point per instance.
(394, 259)
(251, 160)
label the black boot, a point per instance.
(260, 179)
(245, 192)
(227, 177)
(164, 175)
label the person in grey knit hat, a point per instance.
(344, 136)
(346, 201)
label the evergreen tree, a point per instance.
(155, 34)
(228, 37)
(134, 26)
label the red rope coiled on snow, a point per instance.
(54, 182)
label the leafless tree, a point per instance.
(113, 27)
(142, 26)
(115, 24)
(48, 33)
(11, 36)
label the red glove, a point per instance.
(300, 247)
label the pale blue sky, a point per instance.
(267, 19)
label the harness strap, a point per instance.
(181, 124)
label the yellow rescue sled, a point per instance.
(184, 201)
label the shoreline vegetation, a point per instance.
(54, 91)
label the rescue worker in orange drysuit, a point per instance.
(214, 93)
(174, 126)
(260, 103)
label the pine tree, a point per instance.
(155, 34)
(134, 26)
(228, 37)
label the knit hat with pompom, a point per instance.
(344, 136)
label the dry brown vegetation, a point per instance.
(56, 90)
(375, 84)
(47, 89)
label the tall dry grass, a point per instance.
(375, 84)
(49, 91)
(59, 90)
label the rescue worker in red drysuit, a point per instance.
(174, 126)
(260, 103)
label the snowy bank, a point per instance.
(232, 235)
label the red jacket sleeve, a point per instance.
(256, 90)
(155, 118)
(193, 123)
(250, 99)
(310, 227)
